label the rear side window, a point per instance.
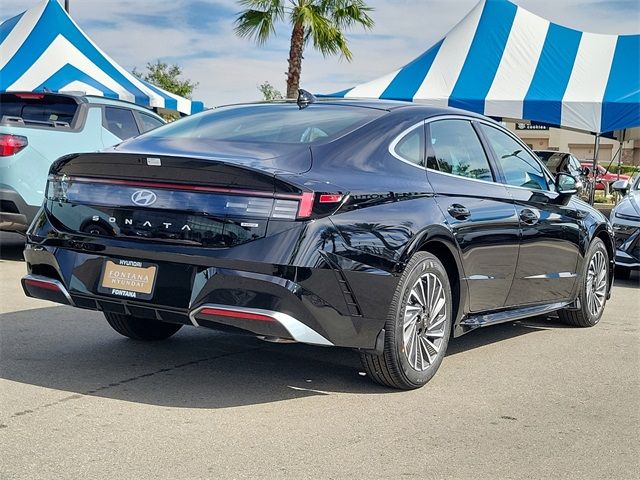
(454, 147)
(271, 123)
(411, 147)
(38, 108)
(520, 168)
(147, 122)
(120, 122)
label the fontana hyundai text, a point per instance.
(385, 227)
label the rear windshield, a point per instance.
(38, 108)
(270, 123)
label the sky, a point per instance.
(198, 35)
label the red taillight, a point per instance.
(331, 198)
(236, 314)
(305, 205)
(11, 144)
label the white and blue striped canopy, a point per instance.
(43, 48)
(503, 61)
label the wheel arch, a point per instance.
(440, 242)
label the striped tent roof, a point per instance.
(503, 61)
(43, 48)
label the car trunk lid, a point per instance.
(198, 201)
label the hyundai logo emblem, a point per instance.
(144, 198)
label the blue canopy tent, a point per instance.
(503, 61)
(43, 48)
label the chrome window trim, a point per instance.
(485, 121)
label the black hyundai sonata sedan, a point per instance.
(385, 227)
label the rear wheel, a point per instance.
(140, 328)
(417, 328)
(594, 287)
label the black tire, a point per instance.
(622, 273)
(141, 328)
(584, 316)
(393, 368)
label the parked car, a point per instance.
(37, 128)
(625, 217)
(603, 176)
(381, 226)
(564, 162)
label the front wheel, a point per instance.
(417, 329)
(594, 288)
(141, 328)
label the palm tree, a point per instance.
(320, 21)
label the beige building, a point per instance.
(580, 144)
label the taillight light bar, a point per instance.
(11, 144)
(287, 206)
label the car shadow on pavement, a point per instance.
(75, 351)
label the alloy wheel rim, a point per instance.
(424, 323)
(596, 283)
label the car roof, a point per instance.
(82, 97)
(378, 104)
(97, 100)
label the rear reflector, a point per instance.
(235, 314)
(42, 284)
(11, 144)
(330, 198)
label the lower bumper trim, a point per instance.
(298, 330)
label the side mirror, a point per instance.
(621, 186)
(566, 184)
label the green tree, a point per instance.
(269, 92)
(167, 77)
(321, 22)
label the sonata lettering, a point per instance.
(147, 223)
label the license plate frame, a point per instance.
(130, 279)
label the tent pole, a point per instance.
(66, 5)
(621, 139)
(594, 171)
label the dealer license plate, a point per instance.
(128, 279)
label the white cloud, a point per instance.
(229, 69)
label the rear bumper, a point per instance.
(309, 303)
(15, 214)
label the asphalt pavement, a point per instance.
(531, 399)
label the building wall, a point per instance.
(580, 144)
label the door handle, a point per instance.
(529, 217)
(459, 212)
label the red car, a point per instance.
(603, 176)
